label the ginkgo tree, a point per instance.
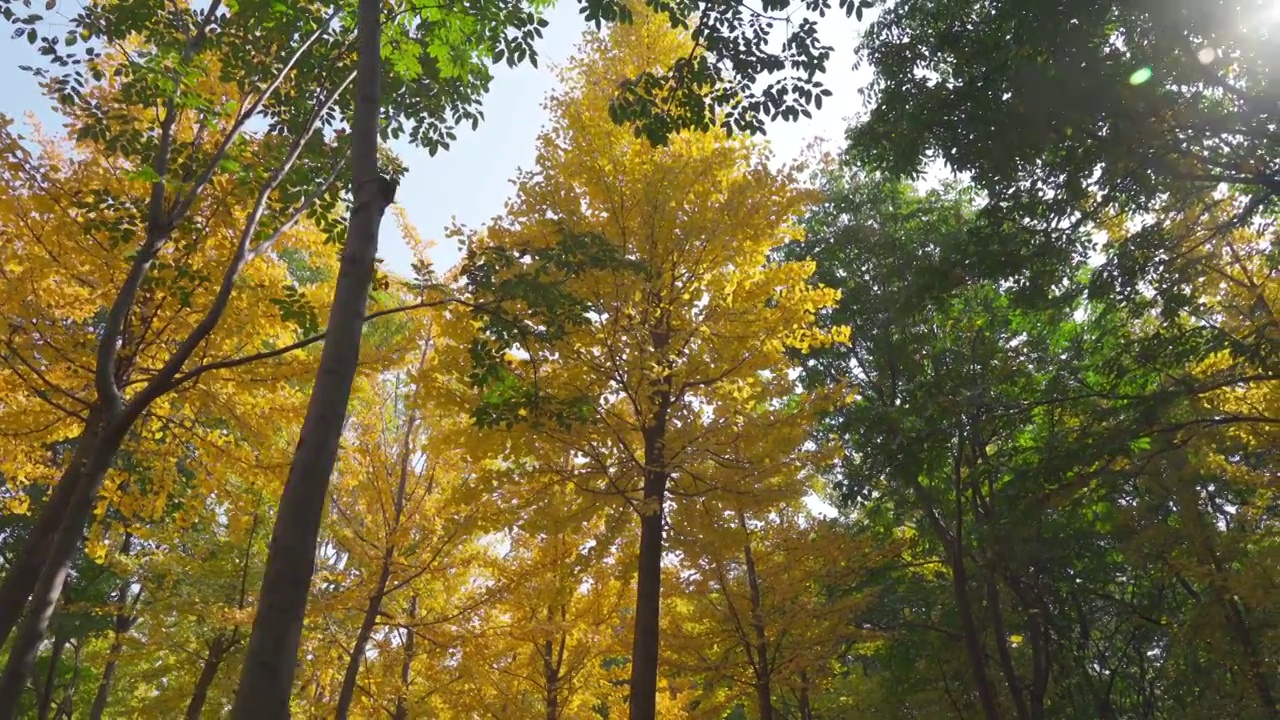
(548, 646)
(675, 382)
(54, 349)
(764, 606)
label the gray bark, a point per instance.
(266, 678)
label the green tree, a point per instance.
(1028, 439)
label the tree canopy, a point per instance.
(973, 416)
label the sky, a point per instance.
(472, 181)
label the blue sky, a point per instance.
(472, 180)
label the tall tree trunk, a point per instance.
(1255, 666)
(44, 702)
(764, 693)
(266, 678)
(356, 657)
(1002, 645)
(218, 650)
(406, 667)
(24, 572)
(551, 677)
(806, 711)
(969, 630)
(124, 620)
(953, 542)
(108, 676)
(44, 600)
(644, 648)
(552, 653)
(66, 708)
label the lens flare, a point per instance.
(1140, 76)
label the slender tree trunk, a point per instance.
(764, 691)
(406, 667)
(218, 650)
(969, 629)
(1002, 647)
(123, 622)
(806, 711)
(266, 678)
(1255, 666)
(108, 675)
(356, 657)
(44, 703)
(24, 572)
(644, 649)
(551, 677)
(954, 543)
(48, 589)
(66, 708)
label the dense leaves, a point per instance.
(689, 433)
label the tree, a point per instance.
(50, 357)
(1064, 111)
(405, 521)
(677, 386)
(548, 644)
(766, 604)
(1017, 430)
(460, 46)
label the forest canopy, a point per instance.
(972, 415)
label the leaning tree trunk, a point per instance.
(24, 571)
(806, 711)
(406, 666)
(44, 600)
(66, 708)
(218, 650)
(125, 617)
(266, 677)
(374, 606)
(44, 701)
(356, 657)
(764, 689)
(644, 648)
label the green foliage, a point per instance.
(1032, 100)
(518, 297)
(1030, 435)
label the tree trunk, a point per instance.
(24, 572)
(953, 541)
(969, 629)
(124, 621)
(266, 678)
(1002, 646)
(356, 658)
(66, 708)
(44, 703)
(48, 589)
(806, 711)
(551, 678)
(218, 650)
(1255, 667)
(406, 667)
(644, 649)
(104, 685)
(764, 694)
